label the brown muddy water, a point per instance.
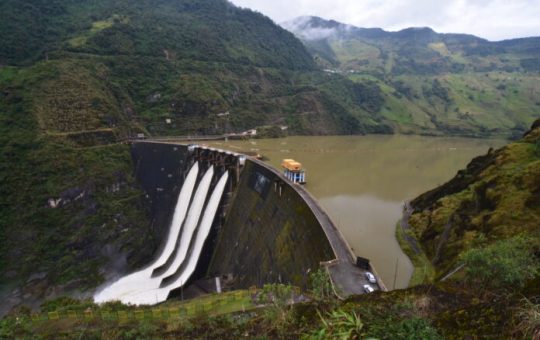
(362, 182)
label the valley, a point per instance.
(377, 118)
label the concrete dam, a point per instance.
(226, 216)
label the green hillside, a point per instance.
(210, 30)
(132, 66)
(494, 200)
(434, 83)
(79, 77)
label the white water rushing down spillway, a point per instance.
(184, 250)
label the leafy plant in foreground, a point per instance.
(339, 324)
(529, 316)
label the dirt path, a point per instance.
(405, 227)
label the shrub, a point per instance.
(278, 294)
(503, 265)
(321, 287)
(413, 328)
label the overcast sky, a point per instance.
(490, 19)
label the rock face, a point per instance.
(496, 197)
(160, 170)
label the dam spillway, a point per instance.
(219, 214)
(182, 248)
(129, 284)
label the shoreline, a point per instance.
(423, 271)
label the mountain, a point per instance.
(133, 65)
(209, 30)
(79, 77)
(432, 82)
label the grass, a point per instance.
(218, 304)
(427, 312)
(210, 305)
(97, 26)
(351, 50)
(529, 317)
(70, 317)
(440, 48)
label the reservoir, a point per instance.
(362, 182)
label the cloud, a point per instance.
(307, 32)
(490, 19)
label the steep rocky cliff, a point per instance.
(496, 197)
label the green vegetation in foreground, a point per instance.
(423, 272)
(428, 312)
(467, 305)
(204, 318)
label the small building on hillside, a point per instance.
(252, 132)
(293, 171)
